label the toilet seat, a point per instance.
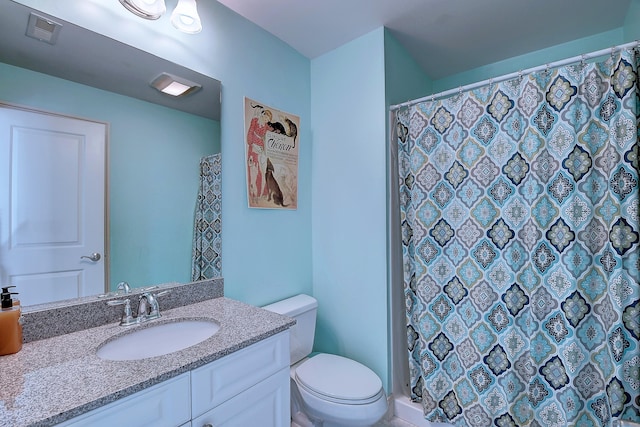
(339, 380)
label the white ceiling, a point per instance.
(445, 37)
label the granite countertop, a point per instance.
(55, 379)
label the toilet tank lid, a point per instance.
(293, 306)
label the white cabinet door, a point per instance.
(223, 379)
(164, 405)
(266, 404)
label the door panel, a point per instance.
(52, 209)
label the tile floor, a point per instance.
(394, 422)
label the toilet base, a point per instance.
(301, 420)
(320, 423)
(302, 415)
(308, 410)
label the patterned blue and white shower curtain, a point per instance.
(207, 235)
(520, 231)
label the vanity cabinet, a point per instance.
(163, 405)
(265, 404)
(248, 387)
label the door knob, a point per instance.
(93, 257)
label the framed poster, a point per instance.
(271, 153)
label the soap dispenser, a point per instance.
(10, 323)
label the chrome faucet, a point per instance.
(148, 308)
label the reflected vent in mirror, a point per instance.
(43, 29)
(174, 85)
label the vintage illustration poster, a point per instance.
(271, 148)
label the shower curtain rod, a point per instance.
(583, 57)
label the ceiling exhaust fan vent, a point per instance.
(43, 29)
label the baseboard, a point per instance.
(412, 413)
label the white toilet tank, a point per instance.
(303, 308)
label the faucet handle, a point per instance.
(115, 302)
(152, 297)
(165, 292)
(153, 301)
(124, 288)
(127, 317)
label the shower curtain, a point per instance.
(207, 239)
(519, 226)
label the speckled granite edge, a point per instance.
(64, 317)
(79, 410)
(55, 379)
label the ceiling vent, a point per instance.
(174, 85)
(43, 29)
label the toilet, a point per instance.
(327, 390)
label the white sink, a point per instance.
(158, 340)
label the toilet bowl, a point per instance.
(339, 391)
(327, 390)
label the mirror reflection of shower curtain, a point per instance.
(520, 239)
(207, 237)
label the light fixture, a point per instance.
(174, 85)
(185, 17)
(147, 9)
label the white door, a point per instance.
(52, 205)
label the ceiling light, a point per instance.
(185, 17)
(147, 9)
(173, 85)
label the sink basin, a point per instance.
(158, 340)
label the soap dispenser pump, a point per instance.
(10, 323)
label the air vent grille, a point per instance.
(43, 29)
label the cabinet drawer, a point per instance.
(266, 404)
(165, 404)
(223, 379)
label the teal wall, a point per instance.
(533, 59)
(403, 76)
(348, 188)
(349, 179)
(266, 254)
(632, 22)
(349, 192)
(153, 171)
(334, 246)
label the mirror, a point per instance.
(155, 142)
